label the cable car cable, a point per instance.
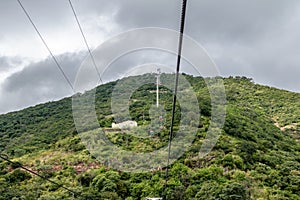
(182, 23)
(85, 40)
(45, 44)
(5, 157)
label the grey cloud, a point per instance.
(4, 64)
(7, 63)
(207, 19)
(136, 13)
(259, 39)
(236, 20)
(95, 6)
(39, 82)
(46, 14)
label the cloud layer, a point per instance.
(39, 82)
(259, 39)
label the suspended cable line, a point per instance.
(4, 157)
(45, 44)
(85, 40)
(182, 23)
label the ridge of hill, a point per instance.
(256, 157)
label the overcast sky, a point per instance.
(255, 38)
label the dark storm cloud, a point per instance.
(39, 82)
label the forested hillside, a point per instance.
(256, 157)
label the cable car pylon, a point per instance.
(157, 86)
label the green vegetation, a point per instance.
(256, 157)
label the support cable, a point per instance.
(5, 157)
(85, 40)
(45, 44)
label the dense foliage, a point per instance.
(256, 157)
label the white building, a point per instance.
(124, 125)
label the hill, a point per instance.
(256, 157)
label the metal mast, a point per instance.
(157, 86)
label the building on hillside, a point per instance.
(125, 125)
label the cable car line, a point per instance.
(45, 44)
(5, 157)
(85, 40)
(182, 23)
